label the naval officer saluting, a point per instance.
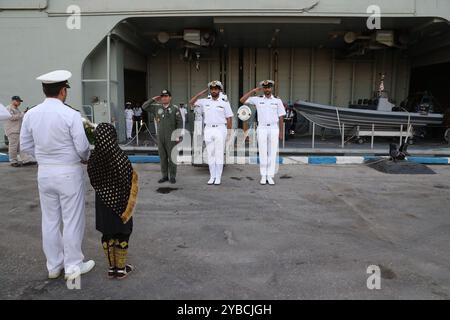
(54, 134)
(218, 117)
(271, 114)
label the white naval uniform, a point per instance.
(269, 112)
(129, 113)
(54, 134)
(183, 112)
(215, 114)
(137, 112)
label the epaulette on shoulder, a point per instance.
(71, 107)
(225, 99)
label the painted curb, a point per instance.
(144, 159)
(312, 160)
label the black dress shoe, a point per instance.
(163, 180)
(173, 180)
(16, 165)
(28, 164)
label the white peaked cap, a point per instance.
(215, 84)
(266, 83)
(55, 77)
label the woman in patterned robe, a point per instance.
(116, 187)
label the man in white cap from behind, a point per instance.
(54, 134)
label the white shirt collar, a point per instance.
(53, 100)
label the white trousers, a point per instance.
(129, 128)
(62, 192)
(215, 138)
(268, 149)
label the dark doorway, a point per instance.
(135, 86)
(435, 79)
(136, 93)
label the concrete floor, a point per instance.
(310, 237)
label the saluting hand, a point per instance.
(202, 92)
(156, 98)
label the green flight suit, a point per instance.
(168, 119)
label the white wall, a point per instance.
(95, 68)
